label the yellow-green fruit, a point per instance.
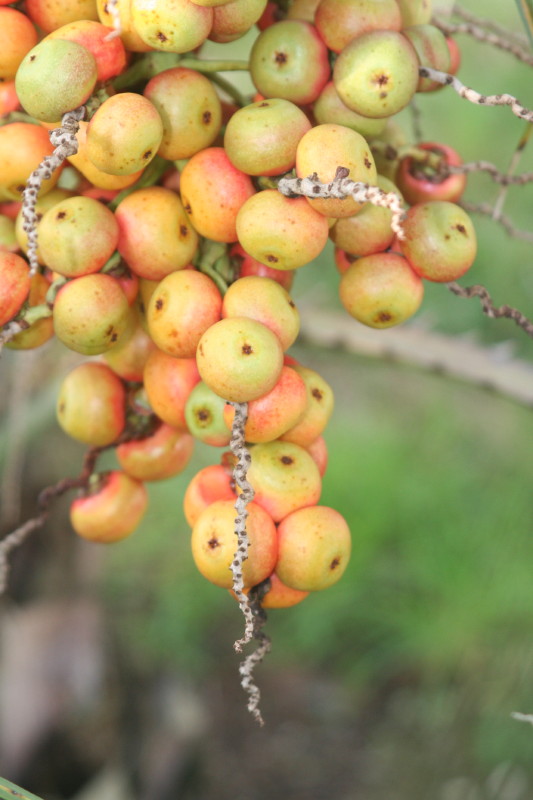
(370, 230)
(319, 408)
(124, 135)
(56, 76)
(266, 301)
(239, 359)
(174, 26)
(43, 204)
(91, 405)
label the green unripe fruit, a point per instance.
(432, 51)
(124, 135)
(381, 290)
(330, 108)
(204, 414)
(239, 359)
(377, 74)
(91, 313)
(55, 77)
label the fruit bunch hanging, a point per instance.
(152, 218)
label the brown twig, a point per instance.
(488, 307)
(488, 24)
(487, 211)
(497, 40)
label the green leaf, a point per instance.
(10, 791)
(525, 7)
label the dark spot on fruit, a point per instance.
(110, 331)
(184, 230)
(201, 349)
(114, 337)
(247, 349)
(264, 104)
(292, 304)
(188, 208)
(142, 307)
(367, 163)
(461, 229)
(39, 216)
(20, 187)
(383, 95)
(335, 563)
(317, 394)
(159, 304)
(384, 316)
(212, 543)
(206, 117)
(203, 415)
(61, 408)
(446, 236)
(381, 80)
(161, 36)
(280, 58)
(287, 460)
(32, 58)
(106, 9)
(61, 215)
(147, 154)
(272, 259)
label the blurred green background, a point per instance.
(397, 683)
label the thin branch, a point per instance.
(488, 24)
(451, 356)
(522, 717)
(340, 187)
(504, 179)
(513, 166)
(487, 211)
(247, 667)
(480, 35)
(475, 97)
(65, 145)
(488, 307)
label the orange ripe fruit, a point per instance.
(209, 484)
(22, 148)
(111, 513)
(164, 453)
(17, 37)
(40, 331)
(318, 410)
(168, 382)
(109, 54)
(14, 285)
(265, 301)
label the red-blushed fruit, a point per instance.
(91, 405)
(290, 60)
(142, 301)
(440, 241)
(14, 285)
(368, 231)
(127, 280)
(329, 108)
(381, 290)
(189, 108)
(261, 138)
(168, 382)
(52, 14)
(319, 452)
(343, 260)
(91, 314)
(182, 308)
(209, 484)
(17, 37)
(318, 410)
(418, 184)
(279, 595)
(214, 544)
(128, 358)
(314, 548)
(281, 232)
(67, 240)
(322, 150)
(432, 51)
(247, 266)
(265, 301)
(120, 149)
(204, 414)
(156, 24)
(274, 413)
(270, 15)
(8, 97)
(239, 359)
(164, 453)
(22, 148)
(233, 20)
(377, 73)
(155, 235)
(109, 53)
(455, 55)
(213, 191)
(113, 512)
(284, 477)
(340, 21)
(56, 76)
(41, 330)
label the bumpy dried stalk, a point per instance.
(112, 8)
(504, 179)
(246, 495)
(496, 40)
(488, 307)
(475, 97)
(488, 24)
(65, 145)
(342, 186)
(488, 211)
(14, 540)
